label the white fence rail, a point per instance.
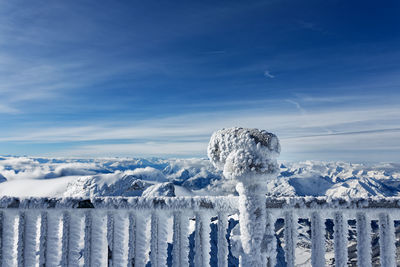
(135, 231)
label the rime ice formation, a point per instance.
(244, 154)
(248, 156)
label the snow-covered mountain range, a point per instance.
(27, 176)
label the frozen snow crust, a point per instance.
(246, 155)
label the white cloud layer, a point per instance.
(314, 134)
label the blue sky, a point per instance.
(156, 78)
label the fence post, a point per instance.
(248, 157)
(252, 221)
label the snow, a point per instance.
(180, 240)
(242, 153)
(318, 240)
(364, 239)
(75, 238)
(340, 232)
(141, 240)
(87, 239)
(269, 240)
(290, 238)
(53, 241)
(131, 177)
(249, 157)
(120, 239)
(222, 241)
(43, 238)
(252, 218)
(159, 235)
(387, 240)
(39, 177)
(9, 239)
(35, 188)
(160, 190)
(202, 240)
(30, 229)
(131, 238)
(99, 252)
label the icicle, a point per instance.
(340, 238)
(363, 240)
(119, 254)
(290, 238)
(317, 240)
(180, 253)
(21, 239)
(9, 253)
(222, 241)
(53, 250)
(73, 238)
(387, 240)
(43, 239)
(30, 231)
(159, 244)
(269, 241)
(140, 241)
(202, 240)
(88, 240)
(131, 241)
(99, 251)
(110, 238)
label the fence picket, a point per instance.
(120, 239)
(43, 239)
(131, 239)
(180, 251)
(158, 240)
(222, 242)
(290, 238)
(340, 239)
(65, 239)
(53, 241)
(140, 241)
(87, 249)
(387, 240)
(202, 240)
(317, 241)
(99, 249)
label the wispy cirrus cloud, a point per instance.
(268, 74)
(8, 110)
(310, 134)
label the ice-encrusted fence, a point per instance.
(110, 231)
(113, 231)
(341, 211)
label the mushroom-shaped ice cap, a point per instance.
(244, 154)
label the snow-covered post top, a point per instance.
(248, 156)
